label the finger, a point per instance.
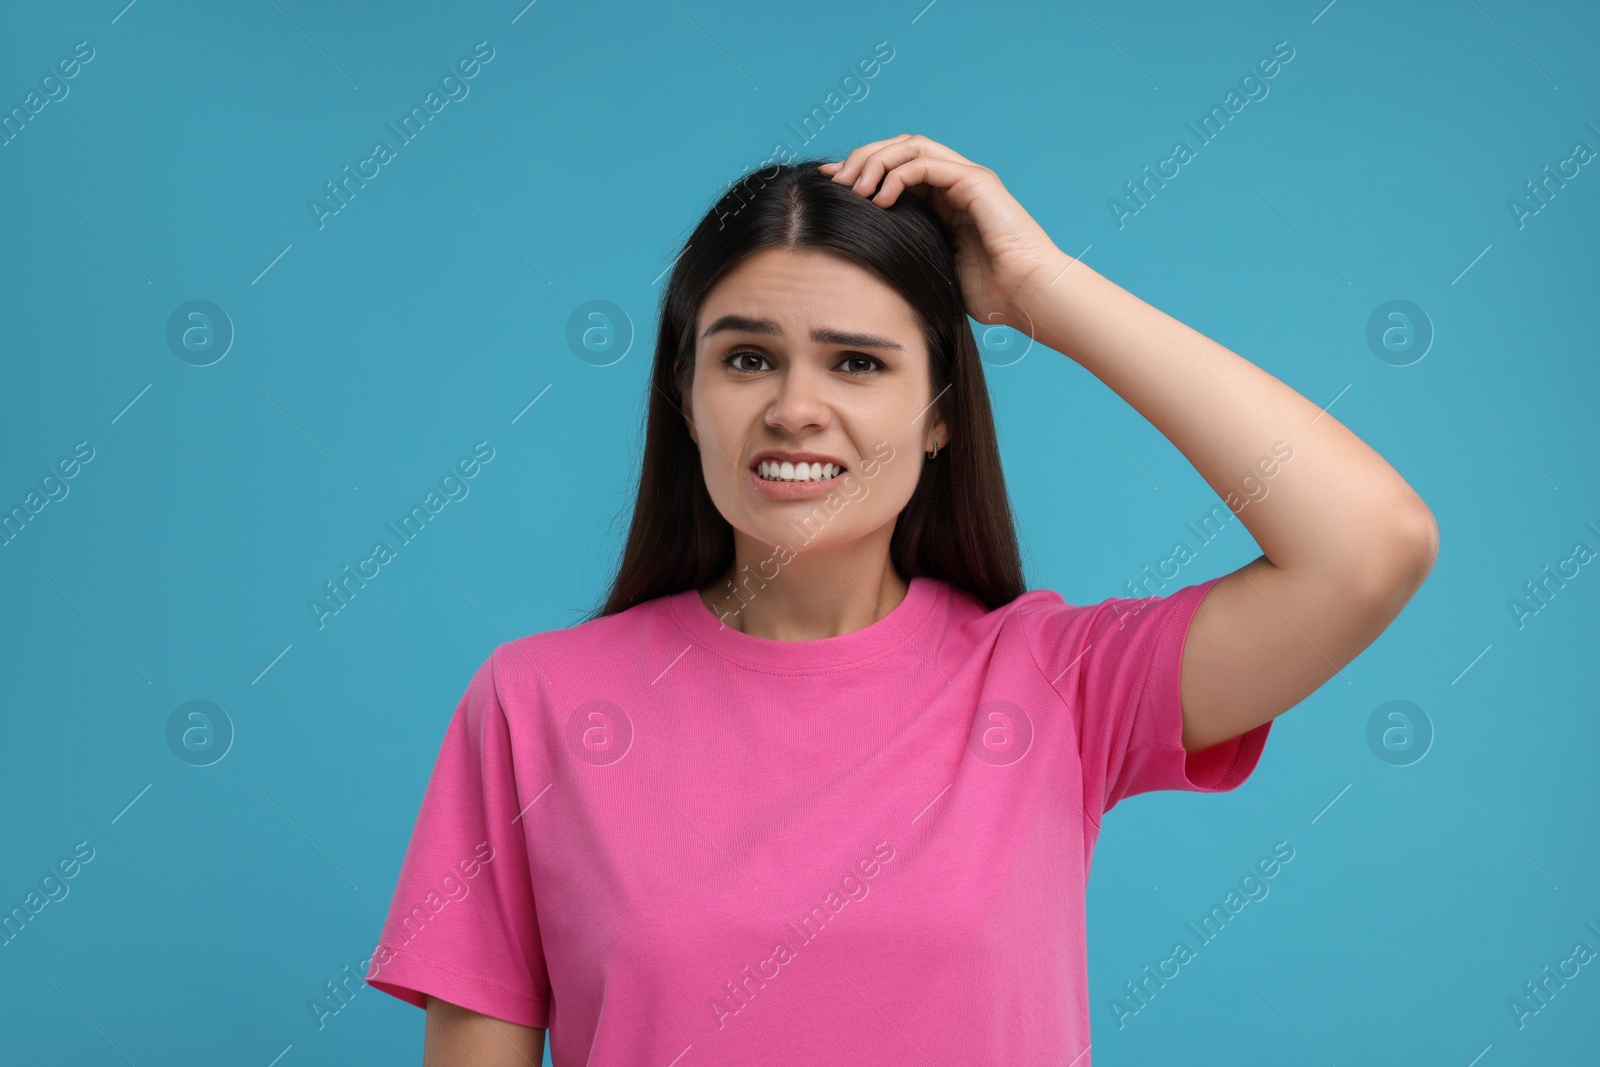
(945, 174)
(848, 168)
(880, 162)
(896, 149)
(851, 164)
(944, 149)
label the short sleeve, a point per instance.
(461, 925)
(1117, 664)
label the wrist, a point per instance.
(1041, 295)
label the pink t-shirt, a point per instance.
(670, 842)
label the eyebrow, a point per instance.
(821, 336)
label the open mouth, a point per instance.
(798, 473)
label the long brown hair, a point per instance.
(957, 526)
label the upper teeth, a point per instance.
(798, 472)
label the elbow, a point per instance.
(1420, 532)
(1408, 551)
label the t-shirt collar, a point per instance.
(823, 655)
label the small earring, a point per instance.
(935, 453)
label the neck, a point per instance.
(810, 597)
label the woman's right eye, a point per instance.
(730, 360)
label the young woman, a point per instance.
(821, 781)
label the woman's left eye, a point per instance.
(875, 364)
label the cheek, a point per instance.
(724, 481)
(876, 498)
(722, 422)
(897, 481)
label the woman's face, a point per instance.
(807, 356)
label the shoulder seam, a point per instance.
(1077, 738)
(1027, 640)
(494, 677)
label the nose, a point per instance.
(800, 402)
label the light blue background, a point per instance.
(434, 308)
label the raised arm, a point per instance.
(1345, 541)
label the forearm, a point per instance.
(1334, 507)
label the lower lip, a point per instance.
(794, 490)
